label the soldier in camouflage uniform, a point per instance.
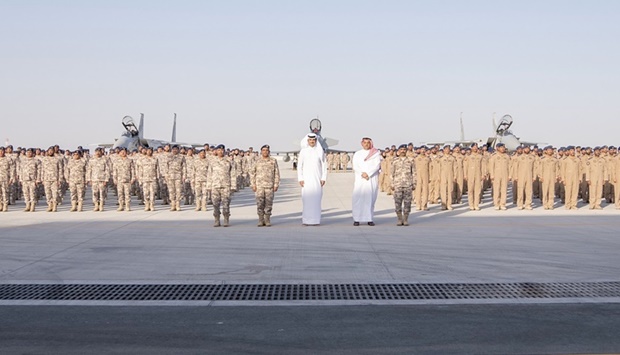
(403, 176)
(123, 175)
(98, 175)
(265, 177)
(52, 173)
(148, 175)
(162, 161)
(200, 170)
(189, 187)
(7, 177)
(30, 177)
(222, 179)
(175, 178)
(75, 174)
(344, 161)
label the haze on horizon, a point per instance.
(246, 73)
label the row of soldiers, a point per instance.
(444, 175)
(337, 162)
(210, 174)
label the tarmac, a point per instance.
(440, 247)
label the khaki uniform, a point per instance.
(330, 161)
(148, 175)
(524, 174)
(52, 173)
(75, 174)
(457, 195)
(189, 186)
(387, 179)
(175, 178)
(499, 171)
(98, 174)
(614, 176)
(447, 166)
(474, 169)
(596, 175)
(435, 176)
(200, 170)
(584, 189)
(123, 175)
(548, 170)
(162, 163)
(571, 174)
(7, 177)
(608, 187)
(403, 178)
(423, 174)
(265, 179)
(344, 161)
(30, 175)
(221, 180)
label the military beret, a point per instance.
(548, 147)
(175, 146)
(597, 148)
(402, 146)
(220, 146)
(265, 146)
(500, 145)
(570, 147)
(612, 147)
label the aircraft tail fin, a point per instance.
(174, 129)
(494, 123)
(331, 142)
(141, 126)
(462, 128)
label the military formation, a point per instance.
(172, 174)
(444, 175)
(416, 177)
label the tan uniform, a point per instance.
(221, 179)
(524, 174)
(265, 179)
(148, 174)
(474, 170)
(614, 176)
(596, 175)
(75, 174)
(174, 179)
(499, 171)
(571, 174)
(548, 169)
(7, 177)
(52, 173)
(98, 174)
(403, 178)
(200, 170)
(457, 195)
(123, 175)
(423, 174)
(435, 176)
(30, 175)
(447, 166)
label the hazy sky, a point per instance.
(253, 72)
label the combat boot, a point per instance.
(32, 207)
(261, 220)
(96, 208)
(127, 207)
(73, 206)
(267, 221)
(198, 203)
(217, 221)
(54, 206)
(226, 219)
(406, 219)
(400, 218)
(178, 206)
(49, 207)
(5, 207)
(27, 209)
(79, 207)
(152, 206)
(147, 206)
(120, 207)
(172, 207)
(101, 206)
(203, 207)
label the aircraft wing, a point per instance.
(442, 143)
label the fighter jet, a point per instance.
(133, 137)
(502, 134)
(326, 143)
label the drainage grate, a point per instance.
(307, 292)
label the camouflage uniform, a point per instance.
(98, 174)
(344, 161)
(7, 177)
(402, 183)
(52, 173)
(162, 163)
(148, 175)
(75, 174)
(30, 176)
(175, 179)
(199, 172)
(265, 177)
(123, 175)
(221, 179)
(189, 186)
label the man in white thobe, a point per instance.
(311, 174)
(366, 166)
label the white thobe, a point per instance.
(311, 169)
(365, 191)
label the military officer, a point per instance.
(402, 182)
(175, 178)
(52, 172)
(499, 171)
(596, 177)
(7, 177)
(422, 167)
(30, 176)
(148, 174)
(571, 174)
(98, 175)
(548, 174)
(123, 175)
(524, 174)
(474, 170)
(265, 180)
(200, 170)
(447, 178)
(75, 175)
(221, 181)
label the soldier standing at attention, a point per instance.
(584, 189)
(596, 177)
(189, 183)
(435, 175)
(403, 177)
(30, 175)
(175, 178)
(75, 174)
(422, 167)
(571, 174)
(474, 172)
(51, 168)
(123, 175)
(98, 175)
(162, 163)
(148, 174)
(265, 180)
(344, 161)
(614, 176)
(222, 179)
(457, 195)
(447, 178)
(7, 177)
(548, 174)
(200, 171)
(330, 161)
(524, 176)
(499, 170)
